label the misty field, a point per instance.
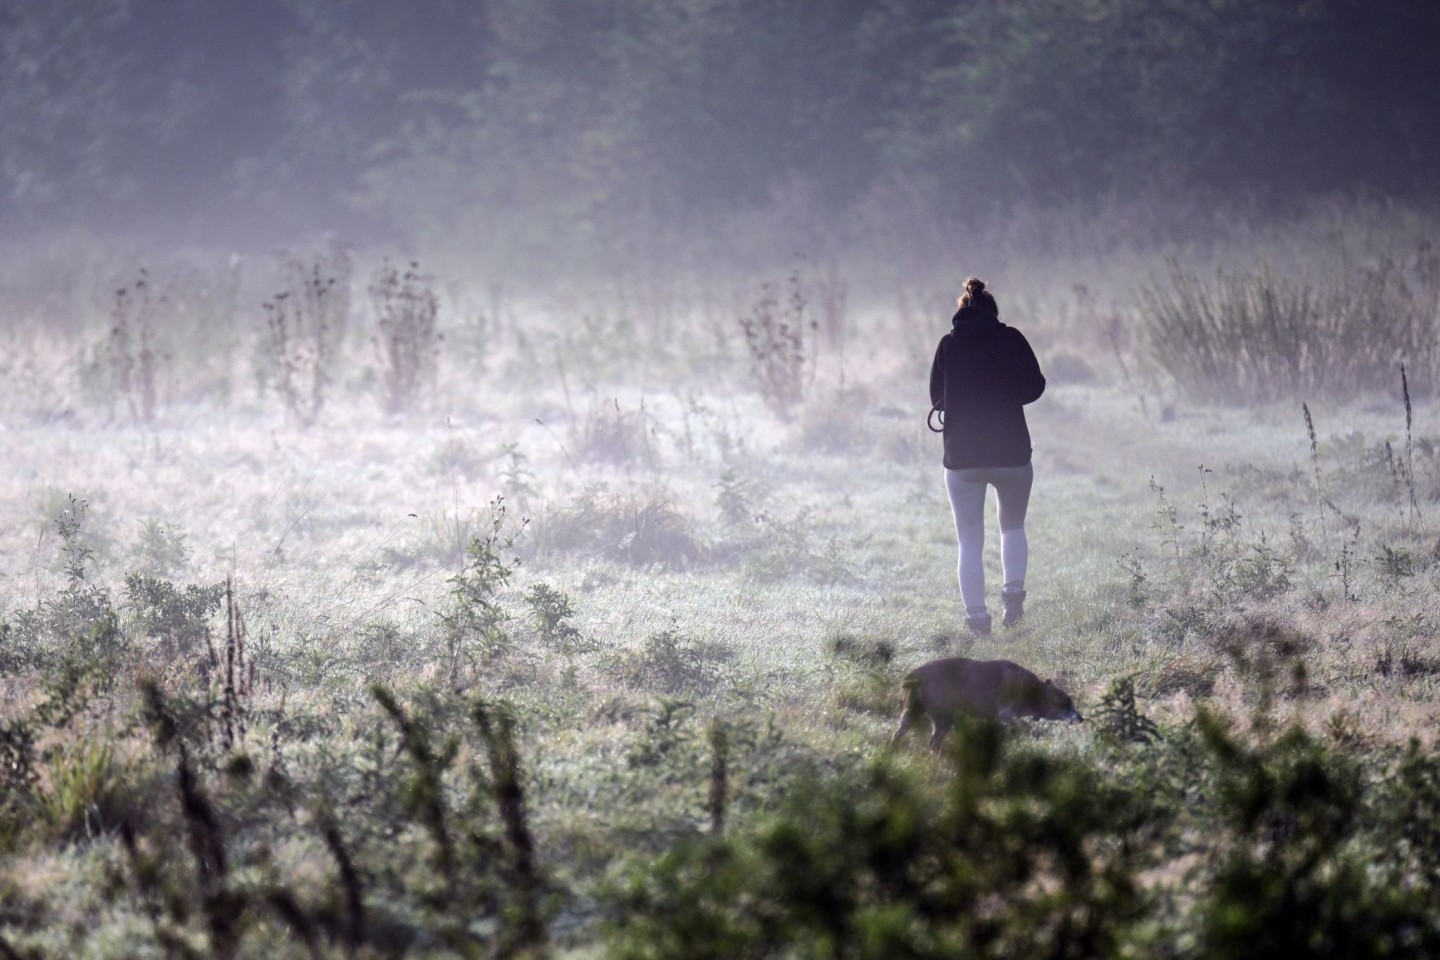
(346, 610)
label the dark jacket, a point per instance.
(983, 375)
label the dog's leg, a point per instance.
(940, 728)
(912, 713)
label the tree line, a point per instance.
(565, 122)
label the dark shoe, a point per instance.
(1014, 607)
(980, 626)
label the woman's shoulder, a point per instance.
(1013, 333)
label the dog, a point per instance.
(985, 689)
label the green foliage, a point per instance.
(77, 625)
(48, 781)
(161, 550)
(669, 660)
(788, 547)
(425, 792)
(1119, 716)
(1137, 592)
(1407, 816)
(1018, 854)
(868, 681)
(474, 622)
(483, 882)
(733, 496)
(18, 774)
(74, 550)
(552, 612)
(665, 731)
(1218, 572)
(1015, 852)
(178, 618)
(85, 794)
(1292, 884)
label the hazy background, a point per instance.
(530, 134)
(569, 357)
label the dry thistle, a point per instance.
(407, 340)
(1315, 460)
(775, 337)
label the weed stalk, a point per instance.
(719, 777)
(1409, 472)
(496, 727)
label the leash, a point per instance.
(930, 419)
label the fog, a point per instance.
(465, 485)
(627, 202)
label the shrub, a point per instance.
(474, 620)
(1119, 716)
(179, 619)
(1205, 844)
(1217, 571)
(551, 612)
(609, 434)
(160, 549)
(734, 497)
(1293, 883)
(665, 732)
(1407, 814)
(1019, 855)
(79, 622)
(670, 661)
(19, 776)
(786, 548)
(637, 530)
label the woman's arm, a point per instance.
(1028, 380)
(937, 377)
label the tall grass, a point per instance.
(1251, 335)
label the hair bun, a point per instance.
(974, 286)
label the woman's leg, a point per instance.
(967, 504)
(1012, 486)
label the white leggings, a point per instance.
(967, 503)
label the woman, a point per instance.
(983, 375)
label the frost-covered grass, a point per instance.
(715, 569)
